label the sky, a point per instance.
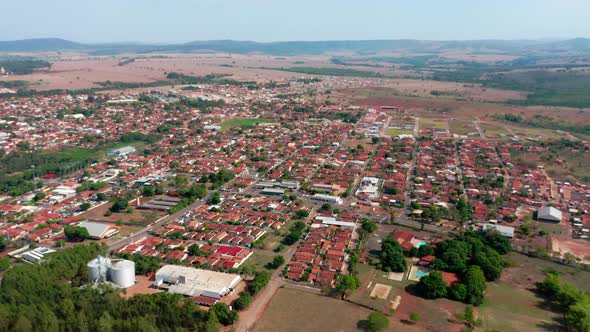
(173, 21)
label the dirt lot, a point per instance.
(137, 217)
(293, 310)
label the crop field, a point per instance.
(241, 123)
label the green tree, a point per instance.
(392, 258)
(346, 283)
(550, 286)
(4, 263)
(457, 292)
(85, 206)
(578, 316)
(243, 301)
(148, 191)
(76, 233)
(432, 286)
(369, 226)
(490, 262)
(475, 283)
(224, 314)
(377, 321)
(194, 250)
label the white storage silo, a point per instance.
(98, 269)
(122, 273)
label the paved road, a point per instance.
(163, 221)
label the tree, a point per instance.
(475, 284)
(243, 301)
(377, 321)
(194, 250)
(369, 226)
(120, 204)
(39, 196)
(490, 262)
(457, 292)
(326, 207)
(148, 191)
(568, 295)
(215, 199)
(432, 286)
(85, 206)
(76, 233)
(414, 317)
(578, 316)
(347, 283)
(301, 214)
(392, 258)
(550, 286)
(425, 250)
(224, 314)
(101, 197)
(4, 263)
(277, 261)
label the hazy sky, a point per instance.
(273, 20)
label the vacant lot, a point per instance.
(462, 127)
(241, 123)
(432, 123)
(294, 311)
(136, 217)
(510, 309)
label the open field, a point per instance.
(293, 311)
(137, 217)
(395, 132)
(510, 309)
(462, 127)
(241, 122)
(432, 123)
(492, 130)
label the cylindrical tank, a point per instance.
(98, 268)
(123, 273)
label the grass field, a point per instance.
(493, 130)
(510, 309)
(258, 261)
(293, 311)
(462, 127)
(432, 123)
(394, 132)
(241, 123)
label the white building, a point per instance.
(189, 281)
(327, 199)
(503, 230)
(549, 213)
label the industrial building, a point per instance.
(195, 282)
(98, 230)
(120, 272)
(549, 213)
(503, 230)
(122, 152)
(327, 199)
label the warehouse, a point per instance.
(327, 199)
(549, 213)
(196, 282)
(98, 230)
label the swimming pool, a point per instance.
(420, 244)
(420, 274)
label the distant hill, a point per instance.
(39, 45)
(299, 47)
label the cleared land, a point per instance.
(294, 311)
